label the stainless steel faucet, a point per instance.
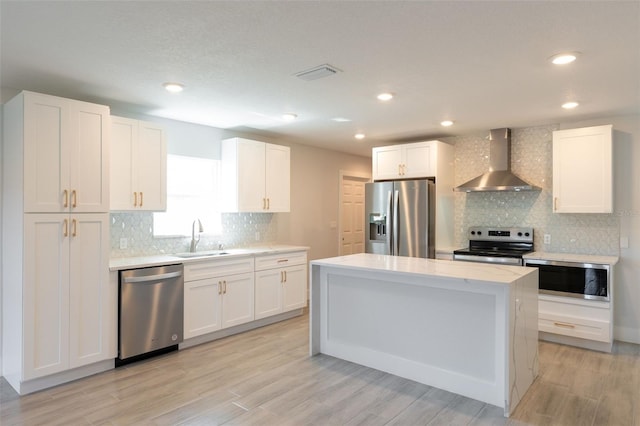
(194, 242)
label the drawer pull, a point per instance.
(564, 325)
(283, 260)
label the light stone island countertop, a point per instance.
(117, 264)
(469, 271)
(570, 257)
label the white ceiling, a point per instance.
(482, 64)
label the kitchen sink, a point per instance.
(201, 254)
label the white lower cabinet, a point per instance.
(583, 319)
(66, 304)
(202, 307)
(281, 283)
(217, 294)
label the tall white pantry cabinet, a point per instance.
(57, 306)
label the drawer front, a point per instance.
(597, 311)
(280, 260)
(218, 268)
(592, 322)
(575, 327)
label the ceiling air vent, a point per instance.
(315, 73)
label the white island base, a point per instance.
(463, 327)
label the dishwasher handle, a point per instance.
(152, 277)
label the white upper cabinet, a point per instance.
(414, 160)
(66, 154)
(583, 170)
(138, 166)
(255, 176)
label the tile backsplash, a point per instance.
(531, 159)
(239, 230)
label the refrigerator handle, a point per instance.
(396, 228)
(388, 223)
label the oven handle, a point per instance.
(488, 259)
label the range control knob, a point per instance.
(479, 232)
(526, 234)
(473, 232)
(519, 234)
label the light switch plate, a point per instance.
(123, 243)
(624, 242)
(547, 238)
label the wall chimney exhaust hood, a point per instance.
(499, 176)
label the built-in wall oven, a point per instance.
(574, 279)
(505, 246)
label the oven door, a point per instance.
(502, 260)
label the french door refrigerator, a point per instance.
(400, 218)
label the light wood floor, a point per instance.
(265, 377)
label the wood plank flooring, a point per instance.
(265, 377)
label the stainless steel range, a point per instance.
(497, 245)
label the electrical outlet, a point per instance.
(547, 238)
(257, 236)
(123, 243)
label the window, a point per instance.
(192, 193)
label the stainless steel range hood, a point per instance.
(499, 176)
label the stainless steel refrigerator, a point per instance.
(400, 218)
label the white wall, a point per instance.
(315, 189)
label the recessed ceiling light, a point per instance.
(385, 96)
(174, 87)
(446, 123)
(289, 116)
(569, 105)
(359, 136)
(564, 58)
(340, 120)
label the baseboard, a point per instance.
(574, 341)
(41, 383)
(205, 338)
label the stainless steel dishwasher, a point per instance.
(150, 311)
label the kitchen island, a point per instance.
(463, 327)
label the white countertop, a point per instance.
(570, 257)
(165, 259)
(428, 267)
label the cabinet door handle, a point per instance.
(219, 287)
(65, 195)
(268, 203)
(555, 204)
(285, 276)
(74, 198)
(135, 199)
(141, 198)
(399, 169)
(564, 325)
(65, 228)
(225, 286)
(74, 227)
(264, 204)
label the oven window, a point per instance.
(568, 279)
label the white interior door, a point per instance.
(352, 214)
